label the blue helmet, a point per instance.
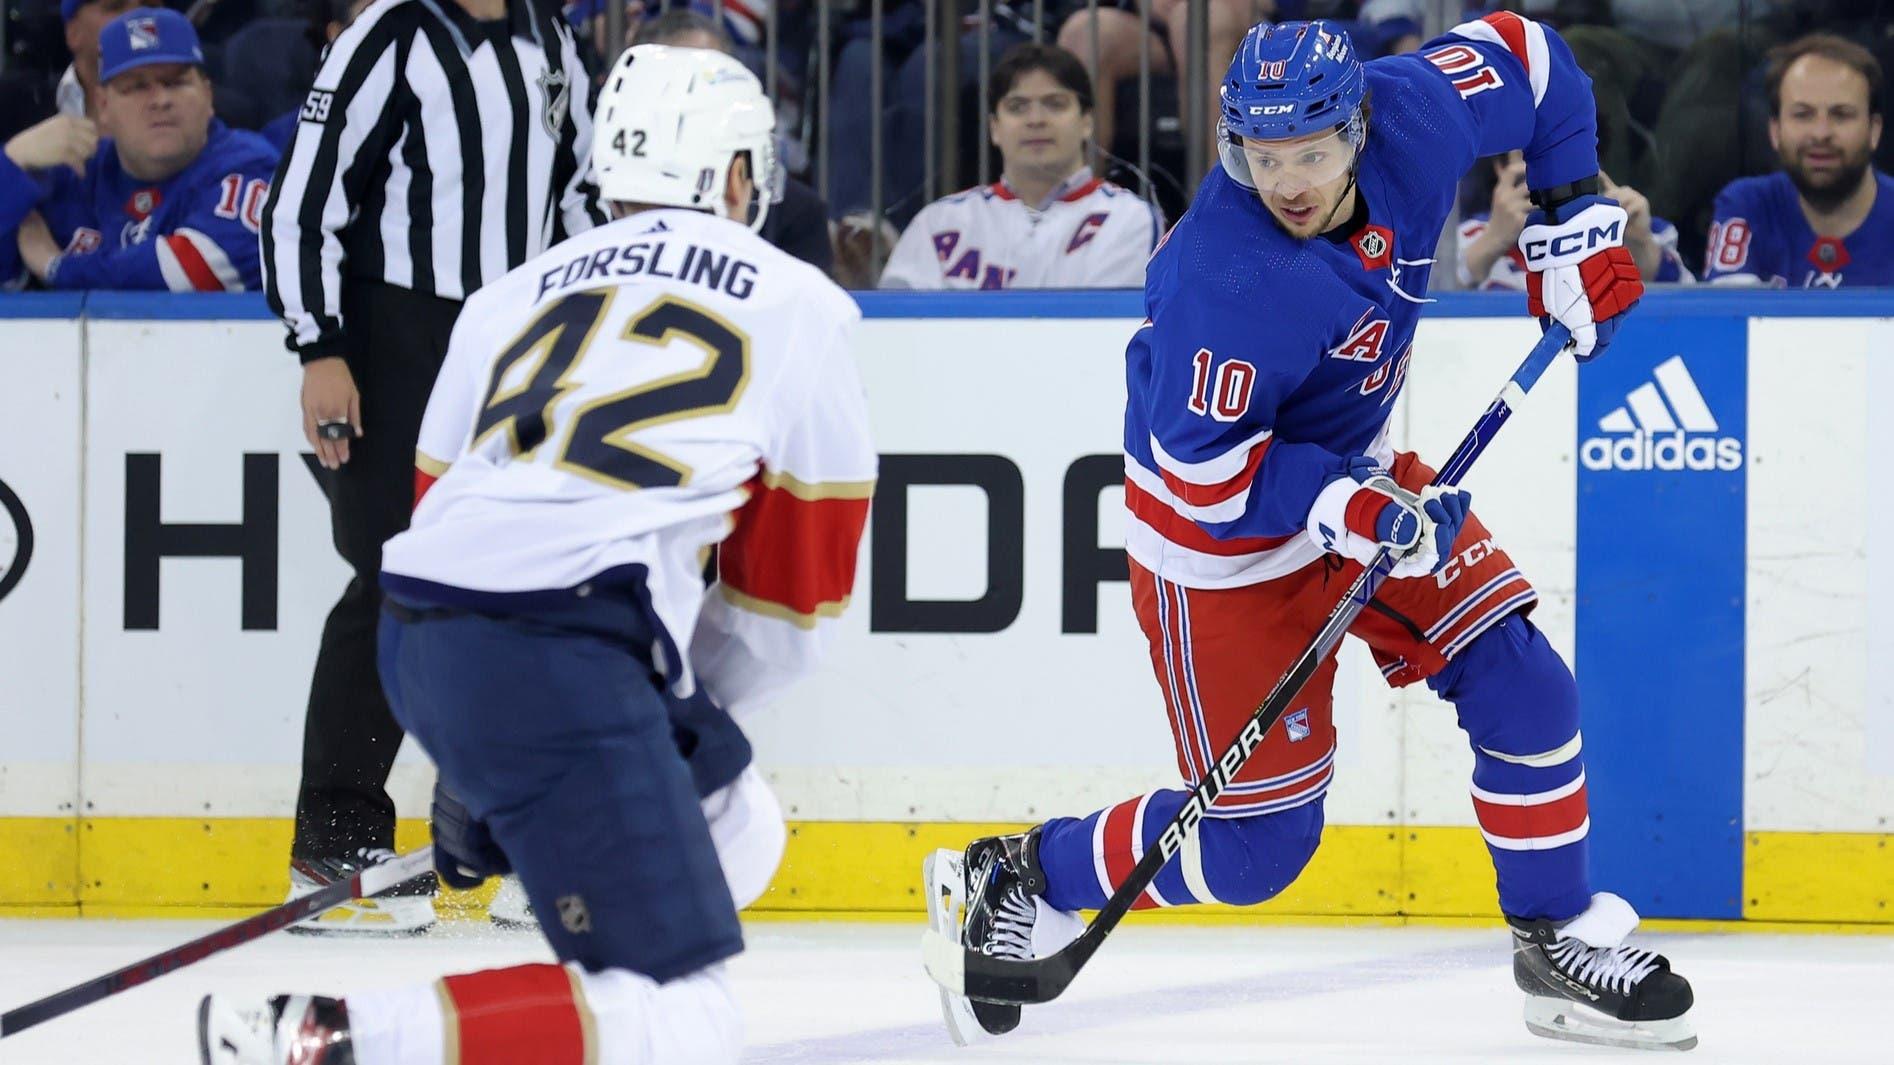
(1292, 78)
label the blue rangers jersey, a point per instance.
(196, 232)
(1760, 235)
(1266, 361)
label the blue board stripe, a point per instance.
(1663, 453)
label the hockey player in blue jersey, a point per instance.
(172, 202)
(1826, 219)
(1260, 479)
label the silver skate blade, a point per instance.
(1556, 1018)
(945, 881)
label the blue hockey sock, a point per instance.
(1518, 703)
(1235, 860)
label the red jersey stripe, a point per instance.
(1209, 495)
(1186, 533)
(793, 550)
(1512, 30)
(525, 1013)
(203, 278)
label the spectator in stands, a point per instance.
(1120, 30)
(78, 92)
(1489, 237)
(327, 20)
(172, 201)
(798, 220)
(1826, 219)
(1047, 223)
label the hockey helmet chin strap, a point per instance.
(1356, 130)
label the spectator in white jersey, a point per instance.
(1048, 222)
(1488, 238)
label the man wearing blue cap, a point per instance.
(172, 201)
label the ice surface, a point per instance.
(828, 994)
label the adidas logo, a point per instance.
(1663, 425)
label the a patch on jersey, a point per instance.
(1375, 246)
(557, 96)
(1297, 725)
(316, 106)
(84, 239)
(1829, 254)
(142, 203)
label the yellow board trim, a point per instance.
(1372, 875)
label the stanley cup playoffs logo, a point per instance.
(16, 540)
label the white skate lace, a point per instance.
(1010, 935)
(375, 855)
(1616, 969)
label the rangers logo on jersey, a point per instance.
(142, 203)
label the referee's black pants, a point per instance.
(397, 339)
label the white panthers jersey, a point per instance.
(1088, 234)
(628, 399)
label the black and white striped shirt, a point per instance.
(435, 152)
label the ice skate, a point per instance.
(511, 909)
(406, 910)
(1583, 985)
(284, 1030)
(988, 899)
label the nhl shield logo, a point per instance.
(142, 203)
(573, 915)
(1373, 245)
(557, 96)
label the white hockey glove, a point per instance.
(1363, 511)
(1579, 273)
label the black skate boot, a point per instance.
(284, 1030)
(403, 911)
(1581, 984)
(987, 900)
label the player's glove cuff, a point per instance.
(465, 854)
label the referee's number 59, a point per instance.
(599, 444)
(636, 142)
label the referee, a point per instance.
(443, 143)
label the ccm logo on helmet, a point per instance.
(1565, 244)
(1273, 109)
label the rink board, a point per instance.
(1740, 753)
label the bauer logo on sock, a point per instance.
(1297, 725)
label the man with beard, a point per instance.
(1826, 219)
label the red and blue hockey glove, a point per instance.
(1579, 273)
(464, 852)
(1363, 511)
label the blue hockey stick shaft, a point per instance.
(1021, 981)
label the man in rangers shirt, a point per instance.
(1488, 239)
(1259, 479)
(172, 202)
(1047, 223)
(606, 413)
(1826, 219)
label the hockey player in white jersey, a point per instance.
(1047, 223)
(606, 413)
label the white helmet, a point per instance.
(670, 120)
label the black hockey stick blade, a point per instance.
(371, 881)
(1026, 982)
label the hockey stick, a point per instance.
(1028, 981)
(371, 881)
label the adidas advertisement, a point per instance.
(1663, 472)
(1663, 424)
